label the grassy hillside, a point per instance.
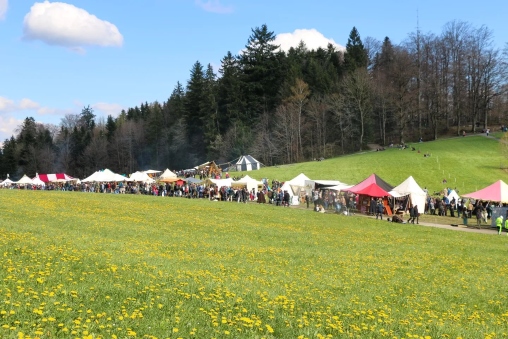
(78, 265)
(468, 164)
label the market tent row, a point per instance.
(105, 176)
(56, 177)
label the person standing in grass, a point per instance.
(499, 223)
(413, 214)
(479, 214)
(379, 208)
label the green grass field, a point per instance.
(467, 164)
(78, 265)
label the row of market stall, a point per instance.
(298, 187)
(99, 176)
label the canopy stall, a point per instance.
(56, 177)
(105, 176)
(410, 187)
(167, 174)
(37, 181)
(497, 192)
(25, 180)
(7, 182)
(373, 186)
(219, 182)
(250, 183)
(296, 186)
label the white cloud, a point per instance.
(4, 4)
(61, 24)
(7, 105)
(8, 124)
(108, 109)
(311, 37)
(28, 104)
(214, 6)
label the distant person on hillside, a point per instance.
(463, 133)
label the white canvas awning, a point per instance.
(415, 192)
(141, 177)
(25, 180)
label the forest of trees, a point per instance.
(285, 107)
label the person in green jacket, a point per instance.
(499, 223)
(506, 225)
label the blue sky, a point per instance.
(56, 57)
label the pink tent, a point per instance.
(373, 186)
(498, 192)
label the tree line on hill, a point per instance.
(285, 107)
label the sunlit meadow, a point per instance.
(78, 265)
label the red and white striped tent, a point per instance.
(58, 177)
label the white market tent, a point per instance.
(453, 194)
(25, 180)
(247, 163)
(250, 183)
(37, 181)
(294, 187)
(141, 177)
(167, 174)
(7, 182)
(415, 192)
(220, 182)
(105, 176)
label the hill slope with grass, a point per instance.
(467, 164)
